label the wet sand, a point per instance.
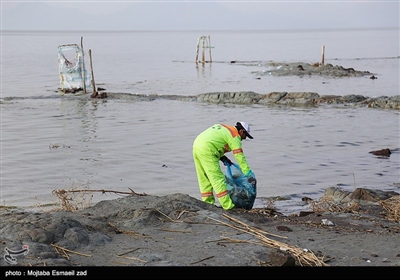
(179, 230)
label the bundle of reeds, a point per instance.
(304, 257)
(328, 205)
(392, 208)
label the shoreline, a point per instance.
(179, 230)
(294, 99)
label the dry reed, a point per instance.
(76, 199)
(392, 208)
(64, 251)
(304, 257)
(325, 204)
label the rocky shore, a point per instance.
(249, 98)
(300, 99)
(273, 98)
(266, 99)
(282, 98)
(356, 229)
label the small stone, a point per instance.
(283, 228)
(279, 258)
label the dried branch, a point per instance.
(304, 257)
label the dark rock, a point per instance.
(306, 199)
(281, 258)
(361, 196)
(283, 228)
(97, 95)
(299, 98)
(77, 235)
(383, 152)
(246, 97)
(371, 195)
(41, 236)
(326, 70)
(352, 98)
(305, 213)
(271, 98)
(102, 95)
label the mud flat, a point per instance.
(356, 229)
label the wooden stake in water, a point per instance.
(205, 42)
(323, 55)
(91, 71)
(83, 67)
(202, 56)
(209, 47)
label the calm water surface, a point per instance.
(50, 141)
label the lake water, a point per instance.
(52, 141)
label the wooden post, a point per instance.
(209, 46)
(203, 56)
(91, 70)
(83, 67)
(197, 50)
(323, 55)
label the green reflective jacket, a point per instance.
(221, 138)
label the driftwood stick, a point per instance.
(209, 46)
(132, 258)
(102, 191)
(304, 256)
(202, 260)
(130, 251)
(83, 67)
(247, 229)
(91, 71)
(175, 230)
(69, 251)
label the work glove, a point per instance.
(252, 180)
(226, 161)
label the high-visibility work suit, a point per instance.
(208, 147)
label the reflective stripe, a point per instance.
(232, 130)
(237, 151)
(221, 194)
(206, 194)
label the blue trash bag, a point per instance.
(240, 190)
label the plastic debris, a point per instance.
(73, 75)
(326, 222)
